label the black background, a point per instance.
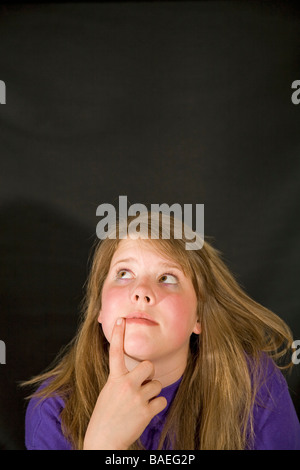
(186, 102)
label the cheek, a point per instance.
(112, 302)
(182, 317)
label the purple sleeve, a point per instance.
(43, 425)
(276, 424)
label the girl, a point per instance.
(170, 354)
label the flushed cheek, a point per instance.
(113, 299)
(181, 318)
(111, 309)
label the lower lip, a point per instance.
(140, 321)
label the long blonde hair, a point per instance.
(213, 406)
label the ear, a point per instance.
(197, 328)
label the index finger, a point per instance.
(117, 365)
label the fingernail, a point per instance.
(119, 321)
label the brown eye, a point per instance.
(123, 274)
(169, 279)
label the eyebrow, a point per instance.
(163, 265)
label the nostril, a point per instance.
(146, 297)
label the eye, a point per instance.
(124, 274)
(169, 279)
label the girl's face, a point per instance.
(157, 300)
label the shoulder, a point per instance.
(276, 425)
(43, 424)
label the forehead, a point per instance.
(139, 249)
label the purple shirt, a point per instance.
(276, 423)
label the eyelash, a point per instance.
(118, 271)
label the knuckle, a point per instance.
(155, 387)
(163, 402)
(148, 366)
(127, 386)
(158, 385)
(160, 403)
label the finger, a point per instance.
(157, 405)
(143, 372)
(151, 389)
(117, 365)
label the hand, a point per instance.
(127, 402)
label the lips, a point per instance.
(140, 317)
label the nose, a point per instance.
(142, 294)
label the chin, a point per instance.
(138, 350)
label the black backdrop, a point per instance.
(186, 102)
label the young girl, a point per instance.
(170, 354)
